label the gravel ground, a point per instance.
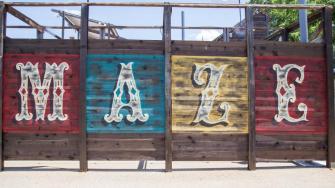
(119, 174)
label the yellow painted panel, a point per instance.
(186, 94)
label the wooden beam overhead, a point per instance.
(25, 19)
(194, 5)
(29, 21)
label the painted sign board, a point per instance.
(209, 94)
(290, 95)
(125, 93)
(40, 93)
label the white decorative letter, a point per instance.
(209, 93)
(126, 77)
(40, 90)
(289, 95)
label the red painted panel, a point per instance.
(12, 101)
(312, 92)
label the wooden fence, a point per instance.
(167, 100)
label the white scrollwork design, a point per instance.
(289, 93)
(126, 77)
(40, 90)
(209, 93)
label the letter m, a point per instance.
(40, 90)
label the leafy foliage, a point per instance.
(281, 18)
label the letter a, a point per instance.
(126, 77)
(40, 90)
(209, 93)
(289, 95)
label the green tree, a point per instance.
(281, 18)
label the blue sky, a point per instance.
(135, 16)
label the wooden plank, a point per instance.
(187, 95)
(167, 53)
(312, 92)
(129, 146)
(12, 100)
(192, 146)
(126, 47)
(209, 48)
(45, 146)
(2, 22)
(327, 16)
(291, 147)
(275, 48)
(193, 5)
(83, 57)
(103, 73)
(35, 46)
(251, 90)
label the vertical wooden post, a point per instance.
(39, 35)
(327, 17)
(63, 24)
(102, 33)
(109, 31)
(285, 35)
(167, 53)
(83, 57)
(2, 7)
(251, 88)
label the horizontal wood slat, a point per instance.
(36, 46)
(209, 48)
(289, 147)
(125, 47)
(109, 146)
(24, 146)
(275, 48)
(192, 146)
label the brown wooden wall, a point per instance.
(186, 145)
(35, 145)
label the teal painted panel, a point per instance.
(103, 72)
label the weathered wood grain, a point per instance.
(12, 100)
(327, 30)
(167, 77)
(44, 146)
(297, 49)
(102, 75)
(133, 146)
(186, 96)
(192, 146)
(312, 92)
(40, 46)
(83, 165)
(125, 47)
(2, 36)
(209, 48)
(251, 87)
(291, 147)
